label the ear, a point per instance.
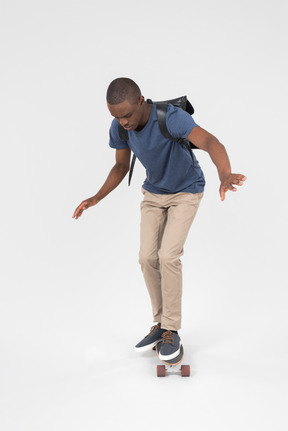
(141, 101)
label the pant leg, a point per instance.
(153, 220)
(182, 208)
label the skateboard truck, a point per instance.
(169, 366)
(162, 370)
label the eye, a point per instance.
(124, 116)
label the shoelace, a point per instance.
(168, 337)
(153, 329)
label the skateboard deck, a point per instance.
(162, 369)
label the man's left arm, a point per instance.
(207, 142)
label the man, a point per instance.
(172, 193)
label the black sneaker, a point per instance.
(154, 337)
(170, 347)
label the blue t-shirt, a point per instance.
(168, 164)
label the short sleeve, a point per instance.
(179, 122)
(114, 138)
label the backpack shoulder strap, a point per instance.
(161, 108)
(131, 168)
(123, 134)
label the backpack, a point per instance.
(161, 108)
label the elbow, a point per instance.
(213, 145)
(122, 168)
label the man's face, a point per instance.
(127, 113)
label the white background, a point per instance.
(73, 302)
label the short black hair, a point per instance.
(122, 89)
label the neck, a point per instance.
(145, 117)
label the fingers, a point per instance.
(77, 213)
(79, 210)
(238, 180)
(223, 190)
(228, 184)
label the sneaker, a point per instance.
(170, 347)
(154, 337)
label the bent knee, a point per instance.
(148, 258)
(168, 258)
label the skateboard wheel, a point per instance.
(161, 371)
(185, 370)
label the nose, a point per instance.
(123, 122)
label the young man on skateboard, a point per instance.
(172, 192)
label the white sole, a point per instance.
(172, 356)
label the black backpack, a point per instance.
(161, 107)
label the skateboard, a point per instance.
(169, 365)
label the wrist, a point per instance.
(224, 174)
(95, 199)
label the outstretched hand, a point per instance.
(84, 206)
(228, 183)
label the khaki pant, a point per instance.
(165, 223)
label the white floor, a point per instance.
(59, 372)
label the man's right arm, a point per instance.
(116, 175)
